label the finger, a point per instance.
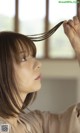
(67, 27)
(76, 20)
(77, 24)
(69, 31)
(71, 23)
(65, 23)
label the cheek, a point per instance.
(24, 74)
(23, 77)
(26, 81)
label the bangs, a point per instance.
(14, 43)
(23, 44)
(26, 46)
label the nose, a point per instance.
(37, 64)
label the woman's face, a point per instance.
(27, 73)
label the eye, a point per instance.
(23, 58)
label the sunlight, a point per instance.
(61, 11)
(7, 7)
(27, 7)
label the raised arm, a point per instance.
(72, 30)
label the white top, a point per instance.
(46, 122)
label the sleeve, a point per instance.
(43, 122)
(48, 121)
(66, 122)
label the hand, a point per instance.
(72, 30)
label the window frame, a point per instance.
(46, 42)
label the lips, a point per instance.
(38, 77)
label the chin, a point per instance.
(37, 88)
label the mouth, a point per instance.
(37, 78)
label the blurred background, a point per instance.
(60, 69)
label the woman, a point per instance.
(20, 79)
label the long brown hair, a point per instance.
(9, 43)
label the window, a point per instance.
(7, 13)
(59, 45)
(32, 20)
(37, 16)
